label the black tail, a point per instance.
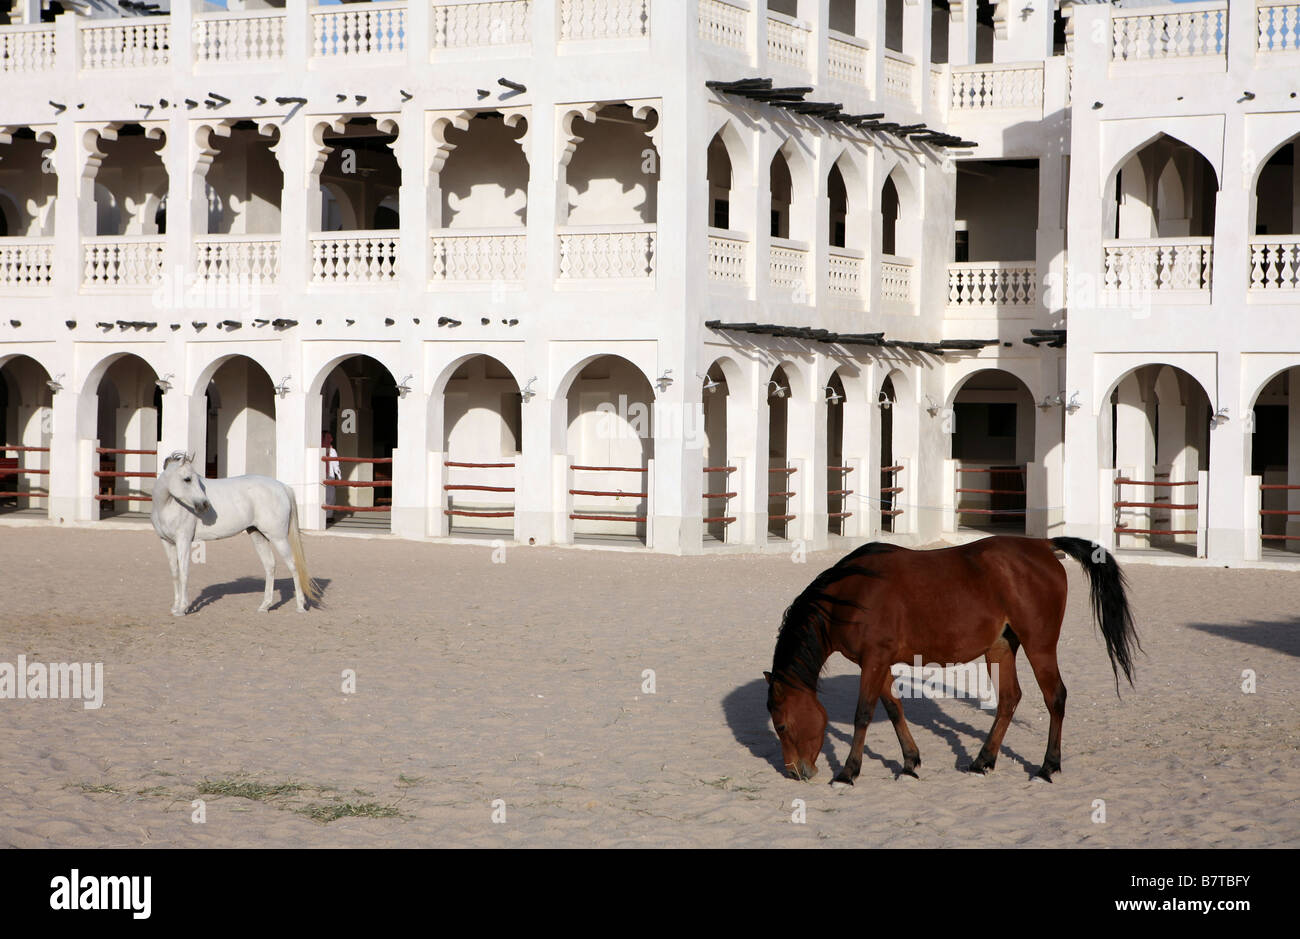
(1109, 602)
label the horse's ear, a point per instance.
(768, 676)
(189, 457)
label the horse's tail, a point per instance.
(1110, 606)
(310, 588)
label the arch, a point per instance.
(992, 443)
(365, 429)
(233, 413)
(25, 421)
(1279, 213)
(1205, 141)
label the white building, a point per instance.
(553, 269)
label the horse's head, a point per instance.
(800, 722)
(183, 483)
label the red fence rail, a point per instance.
(12, 468)
(723, 519)
(841, 493)
(108, 475)
(1120, 504)
(476, 487)
(786, 495)
(992, 511)
(612, 493)
(889, 492)
(1284, 512)
(381, 504)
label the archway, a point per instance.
(992, 444)
(780, 471)
(25, 432)
(128, 426)
(609, 439)
(238, 422)
(1275, 461)
(359, 412)
(482, 444)
(1156, 435)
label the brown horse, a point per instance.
(884, 604)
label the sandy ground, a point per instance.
(522, 681)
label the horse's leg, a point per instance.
(1000, 660)
(873, 676)
(170, 550)
(285, 551)
(894, 708)
(1043, 662)
(183, 587)
(267, 555)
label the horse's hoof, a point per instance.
(264, 608)
(910, 771)
(302, 609)
(841, 782)
(981, 767)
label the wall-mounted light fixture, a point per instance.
(664, 380)
(282, 389)
(833, 396)
(776, 391)
(165, 382)
(54, 384)
(1219, 417)
(883, 402)
(710, 385)
(528, 394)
(404, 387)
(931, 406)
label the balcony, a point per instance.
(1195, 32)
(249, 36)
(1277, 28)
(604, 19)
(237, 259)
(607, 252)
(26, 49)
(480, 256)
(992, 287)
(363, 30)
(846, 277)
(725, 23)
(481, 25)
(900, 77)
(26, 263)
(1159, 270)
(354, 257)
(787, 41)
(137, 42)
(848, 59)
(122, 261)
(896, 293)
(980, 88)
(728, 257)
(1275, 268)
(787, 267)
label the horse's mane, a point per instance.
(803, 641)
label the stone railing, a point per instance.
(787, 40)
(477, 25)
(1275, 263)
(896, 280)
(26, 48)
(848, 59)
(122, 260)
(26, 262)
(247, 36)
(1278, 27)
(1182, 31)
(846, 275)
(939, 93)
(728, 257)
(985, 284)
(1158, 265)
(604, 19)
(360, 29)
(354, 257)
(787, 267)
(988, 87)
(900, 76)
(478, 255)
(725, 23)
(237, 259)
(605, 252)
(137, 42)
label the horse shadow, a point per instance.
(254, 585)
(745, 710)
(1279, 635)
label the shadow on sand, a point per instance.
(254, 585)
(746, 713)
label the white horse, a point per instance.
(189, 508)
